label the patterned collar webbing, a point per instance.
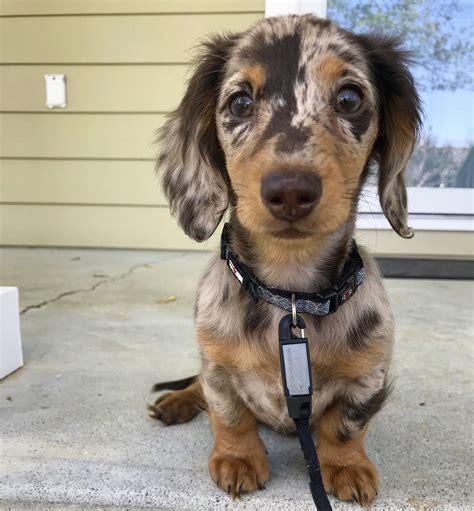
(318, 304)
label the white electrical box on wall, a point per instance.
(55, 91)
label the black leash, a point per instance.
(294, 352)
(312, 464)
(298, 388)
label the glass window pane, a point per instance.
(440, 34)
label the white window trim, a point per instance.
(458, 223)
(425, 201)
(280, 7)
(437, 209)
(430, 209)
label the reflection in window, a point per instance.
(440, 35)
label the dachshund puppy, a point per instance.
(281, 126)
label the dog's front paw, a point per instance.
(175, 407)
(236, 475)
(354, 482)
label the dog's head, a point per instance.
(283, 122)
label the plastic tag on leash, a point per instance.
(295, 361)
(295, 367)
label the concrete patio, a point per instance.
(100, 327)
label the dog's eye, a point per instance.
(241, 105)
(348, 100)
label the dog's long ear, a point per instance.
(399, 123)
(191, 161)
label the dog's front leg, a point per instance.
(347, 471)
(238, 462)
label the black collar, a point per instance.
(318, 304)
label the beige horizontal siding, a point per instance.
(70, 7)
(151, 228)
(92, 226)
(96, 88)
(78, 136)
(159, 38)
(80, 182)
(83, 176)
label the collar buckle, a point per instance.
(333, 297)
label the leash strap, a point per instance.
(312, 464)
(298, 389)
(318, 304)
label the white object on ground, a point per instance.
(11, 356)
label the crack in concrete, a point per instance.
(96, 285)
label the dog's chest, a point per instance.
(262, 392)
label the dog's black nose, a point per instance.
(291, 195)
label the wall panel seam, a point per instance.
(84, 112)
(118, 64)
(112, 14)
(72, 158)
(85, 204)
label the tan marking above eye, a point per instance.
(330, 68)
(256, 76)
